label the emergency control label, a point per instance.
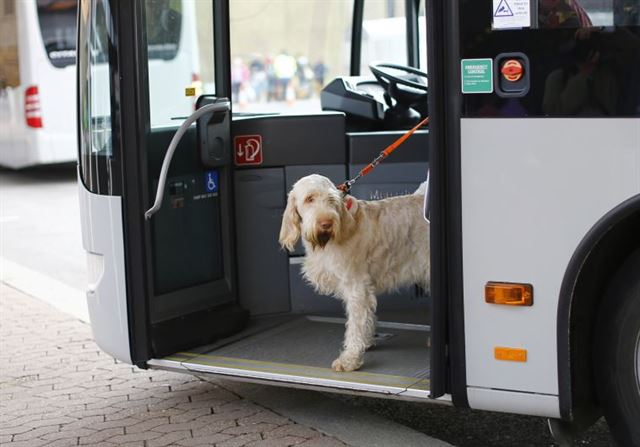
(247, 150)
(477, 75)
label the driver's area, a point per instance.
(394, 99)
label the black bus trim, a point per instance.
(448, 362)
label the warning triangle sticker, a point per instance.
(503, 10)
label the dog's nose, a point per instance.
(326, 224)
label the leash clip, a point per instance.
(346, 186)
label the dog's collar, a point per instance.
(348, 203)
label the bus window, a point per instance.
(586, 13)
(57, 20)
(574, 13)
(283, 52)
(9, 70)
(95, 118)
(179, 37)
(384, 36)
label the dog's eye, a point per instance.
(308, 199)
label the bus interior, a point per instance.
(292, 333)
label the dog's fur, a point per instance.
(356, 249)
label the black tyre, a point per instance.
(617, 353)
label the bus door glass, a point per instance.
(283, 53)
(180, 56)
(94, 93)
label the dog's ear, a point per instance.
(290, 229)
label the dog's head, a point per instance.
(317, 211)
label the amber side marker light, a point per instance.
(510, 354)
(510, 294)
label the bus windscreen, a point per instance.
(57, 20)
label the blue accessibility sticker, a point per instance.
(211, 183)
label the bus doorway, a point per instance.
(203, 286)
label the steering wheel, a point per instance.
(384, 74)
(403, 89)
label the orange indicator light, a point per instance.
(510, 354)
(511, 294)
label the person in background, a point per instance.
(562, 14)
(319, 73)
(239, 76)
(258, 78)
(304, 75)
(284, 67)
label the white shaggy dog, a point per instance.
(356, 249)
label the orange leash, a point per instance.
(346, 186)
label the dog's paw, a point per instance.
(347, 363)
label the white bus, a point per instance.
(38, 73)
(533, 153)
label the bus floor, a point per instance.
(299, 349)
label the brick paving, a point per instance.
(58, 389)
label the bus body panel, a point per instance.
(55, 141)
(102, 238)
(531, 189)
(531, 404)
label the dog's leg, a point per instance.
(360, 304)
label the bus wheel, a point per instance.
(617, 353)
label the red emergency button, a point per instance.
(512, 70)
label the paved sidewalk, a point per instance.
(58, 389)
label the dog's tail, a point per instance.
(422, 189)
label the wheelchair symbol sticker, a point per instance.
(211, 181)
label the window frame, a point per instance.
(412, 8)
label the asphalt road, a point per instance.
(472, 428)
(40, 222)
(40, 229)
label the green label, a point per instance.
(477, 75)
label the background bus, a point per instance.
(37, 73)
(37, 76)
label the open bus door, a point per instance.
(169, 283)
(203, 286)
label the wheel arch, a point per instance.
(594, 262)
